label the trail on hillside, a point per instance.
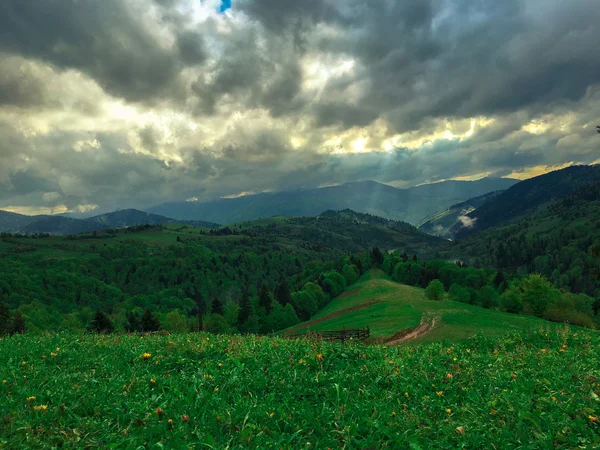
(410, 334)
(330, 316)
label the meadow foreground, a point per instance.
(532, 389)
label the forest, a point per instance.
(265, 276)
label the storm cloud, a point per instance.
(129, 103)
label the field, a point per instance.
(388, 307)
(525, 390)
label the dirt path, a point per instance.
(330, 316)
(422, 329)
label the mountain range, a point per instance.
(59, 224)
(413, 205)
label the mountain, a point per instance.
(345, 230)
(10, 221)
(63, 225)
(525, 197)
(411, 205)
(442, 223)
(560, 240)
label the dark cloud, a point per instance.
(129, 103)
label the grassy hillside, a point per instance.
(524, 390)
(388, 307)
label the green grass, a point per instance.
(525, 390)
(396, 307)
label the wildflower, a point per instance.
(553, 399)
(159, 412)
(449, 376)
(219, 365)
(58, 349)
(271, 414)
(3, 381)
(593, 419)
(320, 357)
(147, 356)
(513, 376)
(185, 418)
(43, 356)
(53, 354)
(460, 430)
(23, 363)
(170, 421)
(468, 351)
(216, 389)
(406, 394)
(393, 413)
(41, 408)
(152, 381)
(448, 411)
(30, 399)
(439, 393)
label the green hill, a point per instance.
(388, 308)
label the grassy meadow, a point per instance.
(391, 307)
(536, 389)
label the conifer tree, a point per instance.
(217, 307)
(18, 325)
(133, 322)
(101, 323)
(283, 294)
(149, 322)
(4, 319)
(264, 298)
(245, 309)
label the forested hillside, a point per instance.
(560, 240)
(525, 197)
(257, 276)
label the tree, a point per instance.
(177, 322)
(132, 323)
(488, 297)
(458, 293)
(350, 273)
(18, 325)
(538, 293)
(201, 306)
(435, 290)
(512, 302)
(149, 322)
(283, 294)
(216, 307)
(4, 319)
(245, 309)
(377, 256)
(101, 323)
(264, 298)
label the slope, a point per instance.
(387, 308)
(412, 205)
(560, 240)
(524, 197)
(442, 223)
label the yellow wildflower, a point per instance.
(152, 380)
(448, 411)
(320, 357)
(146, 356)
(41, 408)
(439, 393)
(449, 376)
(30, 399)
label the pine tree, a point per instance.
(264, 298)
(149, 322)
(245, 309)
(101, 323)
(283, 294)
(4, 319)
(18, 325)
(201, 306)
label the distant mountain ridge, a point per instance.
(412, 205)
(60, 224)
(525, 197)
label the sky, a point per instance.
(130, 103)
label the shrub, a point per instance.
(435, 290)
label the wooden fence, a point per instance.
(337, 335)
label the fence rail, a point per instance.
(337, 335)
